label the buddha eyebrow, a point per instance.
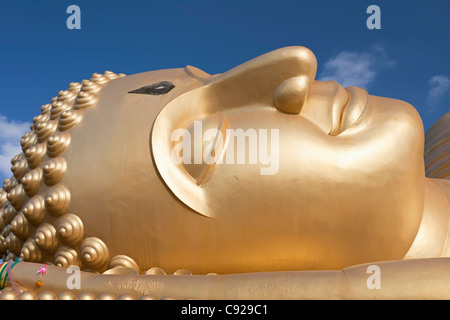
(155, 89)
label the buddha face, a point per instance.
(328, 176)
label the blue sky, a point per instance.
(407, 59)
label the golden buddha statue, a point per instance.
(261, 181)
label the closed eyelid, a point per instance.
(158, 88)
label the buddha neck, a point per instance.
(432, 239)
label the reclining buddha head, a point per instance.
(261, 168)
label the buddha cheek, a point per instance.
(361, 192)
(379, 178)
(360, 216)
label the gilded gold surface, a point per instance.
(341, 181)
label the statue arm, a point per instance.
(400, 279)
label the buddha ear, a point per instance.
(186, 141)
(197, 119)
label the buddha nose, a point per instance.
(281, 77)
(291, 95)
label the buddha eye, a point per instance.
(155, 89)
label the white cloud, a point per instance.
(439, 85)
(349, 69)
(356, 68)
(10, 134)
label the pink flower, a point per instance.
(42, 270)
